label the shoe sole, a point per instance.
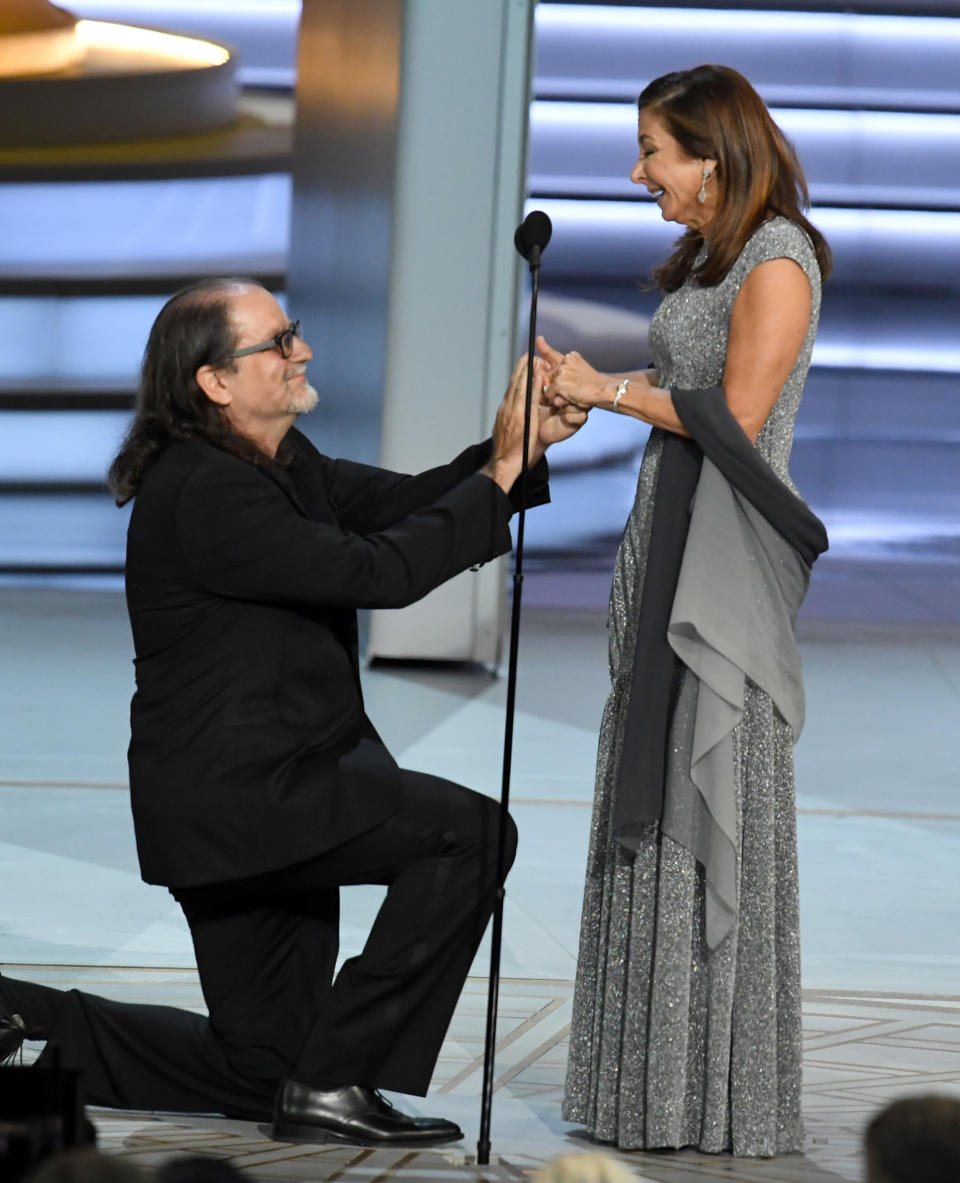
(294, 1132)
(13, 1031)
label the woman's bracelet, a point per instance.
(621, 391)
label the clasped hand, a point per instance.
(549, 425)
(570, 380)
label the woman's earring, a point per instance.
(702, 194)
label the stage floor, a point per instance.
(877, 771)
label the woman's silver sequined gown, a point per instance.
(674, 1044)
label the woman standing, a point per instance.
(686, 1028)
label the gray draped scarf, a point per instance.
(731, 549)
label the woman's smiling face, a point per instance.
(672, 176)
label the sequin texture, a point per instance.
(673, 1044)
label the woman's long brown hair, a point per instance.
(714, 113)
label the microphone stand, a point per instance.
(493, 992)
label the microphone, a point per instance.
(530, 239)
(532, 235)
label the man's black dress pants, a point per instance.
(266, 949)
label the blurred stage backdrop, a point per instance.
(195, 179)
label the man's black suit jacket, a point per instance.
(250, 747)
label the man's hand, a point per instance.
(559, 418)
(558, 423)
(549, 424)
(506, 459)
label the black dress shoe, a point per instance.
(354, 1114)
(13, 1031)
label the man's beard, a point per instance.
(303, 400)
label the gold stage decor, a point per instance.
(36, 37)
(69, 81)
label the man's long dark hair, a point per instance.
(192, 330)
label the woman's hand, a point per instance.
(573, 380)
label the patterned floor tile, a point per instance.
(861, 1051)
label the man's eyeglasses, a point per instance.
(282, 341)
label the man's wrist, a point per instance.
(503, 472)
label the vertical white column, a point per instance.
(409, 174)
(459, 191)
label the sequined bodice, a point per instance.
(688, 333)
(688, 339)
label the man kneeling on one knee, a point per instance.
(259, 785)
